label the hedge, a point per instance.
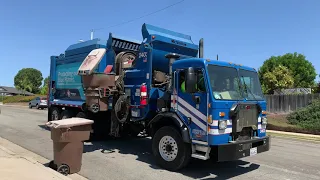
(307, 117)
(19, 99)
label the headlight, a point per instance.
(222, 124)
(264, 120)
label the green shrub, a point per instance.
(307, 117)
(19, 99)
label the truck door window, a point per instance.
(182, 82)
(200, 86)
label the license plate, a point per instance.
(135, 113)
(253, 151)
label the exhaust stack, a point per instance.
(201, 48)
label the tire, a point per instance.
(66, 114)
(81, 115)
(37, 106)
(55, 114)
(30, 106)
(175, 154)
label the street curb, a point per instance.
(294, 136)
(49, 170)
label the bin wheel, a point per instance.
(64, 169)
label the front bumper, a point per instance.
(237, 150)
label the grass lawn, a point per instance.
(279, 122)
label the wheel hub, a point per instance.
(168, 148)
(54, 115)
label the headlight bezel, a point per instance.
(223, 124)
(264, 120)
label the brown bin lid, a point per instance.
(91, 61)
(67, 123)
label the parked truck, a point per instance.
(162, 87)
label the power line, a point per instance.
(129, 21)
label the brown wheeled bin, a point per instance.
(68, 136)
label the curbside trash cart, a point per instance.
(68, 136)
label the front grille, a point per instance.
(247, 116)
(245, 121)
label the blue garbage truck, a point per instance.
(162, 87)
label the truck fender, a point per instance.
(169, 117)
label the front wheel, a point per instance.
(169, 149)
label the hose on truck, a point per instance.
(123, 60)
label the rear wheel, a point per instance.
(55, 114)
(37, 106)
(66, 114)
(169, 149)
(81, 115)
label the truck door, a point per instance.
(193, 107)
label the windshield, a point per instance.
(251, 85)
(224, 82)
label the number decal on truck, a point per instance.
(143, 54)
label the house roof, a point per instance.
(12, 90)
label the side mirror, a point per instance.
(191, 80)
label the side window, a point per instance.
(182, 75)
(37, 98)
(200, 86)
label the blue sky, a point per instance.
(245, 32)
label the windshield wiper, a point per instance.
(247, 88)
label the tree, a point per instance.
(302, 71)
(28, 79)
(279, 78)
(44, 88)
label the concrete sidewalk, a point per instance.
(15, 167)
(18, 163)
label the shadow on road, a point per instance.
(141, 147)
(44, 127)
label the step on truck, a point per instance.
(162, 87)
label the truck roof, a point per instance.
(200, 61)
(85, 46)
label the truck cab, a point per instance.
(222, 108)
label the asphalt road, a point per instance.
(132, 159)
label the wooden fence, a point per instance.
(288, 103)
